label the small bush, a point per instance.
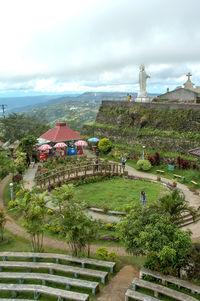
(105, 145)
(102, 253)
(143, 165)
(105, 255)
(109, 226)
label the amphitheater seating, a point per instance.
(82, 261)
(138, 296)
(170, 279)
(43, 269)
(159, 289)
(57, 267)
(41, 289)
(68, 282)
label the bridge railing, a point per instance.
(69, 173)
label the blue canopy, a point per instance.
(93, 139)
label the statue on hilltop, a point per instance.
(142, 94)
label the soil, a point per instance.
(116, 289)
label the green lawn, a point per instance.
(117, 192)
(189, 174)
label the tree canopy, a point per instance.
(150, 232)
(17, 126)
(75, 226)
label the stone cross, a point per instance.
(189, 75)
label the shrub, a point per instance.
(112, 256)
(105, 255)
(143, 165)
(109, 226)
(105, 145)
(17, 178)
(102, 253)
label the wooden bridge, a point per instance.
(72, 172)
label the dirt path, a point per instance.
(115, 290)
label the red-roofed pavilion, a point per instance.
(61, 133)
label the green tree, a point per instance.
(3, 220)
(16, 126)
(26, 144)
(20, 161)
(146, 231)
(76, 227)
(6, 164)
(105, 145)
(176, 206)
(33, 208)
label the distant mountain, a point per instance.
(75, 110)
(25, 103)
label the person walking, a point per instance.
(143, 198)
(123, 162)
(96, 164)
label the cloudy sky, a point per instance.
(54, 46)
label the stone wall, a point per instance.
(151, 105)
(159, 126)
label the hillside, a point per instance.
(164, 127)
(75, 111)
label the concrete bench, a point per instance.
(160, 289)
(40, 289)
(53, 266)
(138, 296)
(179, 177)
(170, 279)
(2, 299)
(193, 182)
(57, 257)
(68, 282)
(160, 171)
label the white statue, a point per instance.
(142, 82)
(142, 94)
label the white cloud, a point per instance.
(59, 45)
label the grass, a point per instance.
(15, 243)
(117, 192)
(189, 174)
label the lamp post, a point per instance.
(11, 192)
(143, 152)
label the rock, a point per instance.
(108, 237)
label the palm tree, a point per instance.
(176, 206)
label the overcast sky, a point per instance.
(97, 45)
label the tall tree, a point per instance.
(6, 164)
(76, 227)
(33, 208)
(27, 144)
(16, 126)
(146, 231)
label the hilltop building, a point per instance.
(61, 133)
(188, 94)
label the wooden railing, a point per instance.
(71, 172)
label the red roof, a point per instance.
(61, 132)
